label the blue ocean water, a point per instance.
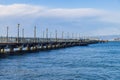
(93, 62)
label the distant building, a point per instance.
(117, 39)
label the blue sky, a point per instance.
(84, 17)
(106, 4)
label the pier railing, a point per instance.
(34, 40)
(26, 44)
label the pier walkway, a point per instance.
(10, 45)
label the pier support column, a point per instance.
(28, 48)
(20, 49)
(65, 45)
(42, 47)
(49, 46)
(35, 48)
(70, 44)
(11, 50)
(32, 48)
(2, 50)
(57, 46)
(53, 46)
(61, 45)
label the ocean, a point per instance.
(94, 62)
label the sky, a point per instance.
(78, 17)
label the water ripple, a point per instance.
(94, 62)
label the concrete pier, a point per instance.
(29, 44)
(12, 45)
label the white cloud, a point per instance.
(32, 10)
(73, 13)
(81, 18)
(19, 10)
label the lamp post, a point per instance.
(47, 34)
(62, 34)
(68, 35)
(79, 36)
(43, 34)
(35, 34)
(76, 36)
(72, 35)
(18, 33)
(23, 35)
(7, 33)
(50, 34)
(56, 35)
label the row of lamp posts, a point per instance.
(56, 35)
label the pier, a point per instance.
(13, 45)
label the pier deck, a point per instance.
(10, 45)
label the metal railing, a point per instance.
(34, 40)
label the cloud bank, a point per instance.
(88, 21)
(20, 10)
(37, 11)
